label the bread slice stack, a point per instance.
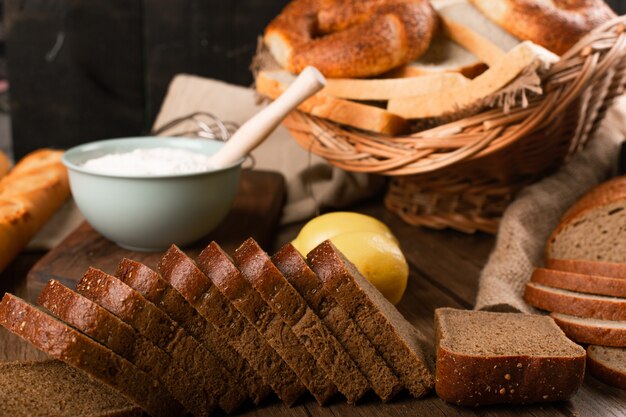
(193, 337)
(584, 282)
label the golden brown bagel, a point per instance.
(554, 24)
(350, 38)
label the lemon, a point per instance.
(379, 259)
(333, 224)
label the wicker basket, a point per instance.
(463, 174)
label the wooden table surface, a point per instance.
(444, 271)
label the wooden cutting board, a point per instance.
(255, 213)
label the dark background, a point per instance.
(81, 70)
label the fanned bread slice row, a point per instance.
(608, 364)
(592, 331)
(194, 284)
(491, 358)
(105, 328)
(605, 269)
(289, 305)
(575, 303)
(149, 320)
(155, 289)
(295, 269)
(398, 341)
(590, 284)
(63, 342)
(51, 388)
(278, 334)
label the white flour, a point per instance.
(149, 162)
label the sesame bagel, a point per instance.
(350, 38)
(554, 24)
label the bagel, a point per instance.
(554, 24)
(350, 38)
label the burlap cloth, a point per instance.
(530, 219)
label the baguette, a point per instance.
(29, 195)
(374, 119)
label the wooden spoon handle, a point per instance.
(258, 127)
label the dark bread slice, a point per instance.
(399, 342)
(490, 358)
(199, 290)
(575, 303)
(590, 284)
(158, 291)
(608, 364)
(592, 331)
(62, 342)
(51, 388)
(285, 301)
(605, 269)
(296, 271)
(604, 193)
(105, 328)
(154, 324)
(594, 234)
(236, 287)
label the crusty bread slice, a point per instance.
(607, 192)
(397, 340)
(594, 234)
(590, 284)
(63, 342)
(105, 328)
(575, 303)
(592, 331)
(289, 305)
(608, 364)
(158, 291)
(295, 269)
(362, 116)
(150, 321)
(524, 57)
(490, 358)
(51, 388)
(605, 269)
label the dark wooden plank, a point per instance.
(255, 211)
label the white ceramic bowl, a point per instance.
(151, 213)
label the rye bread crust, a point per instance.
(590, 333)
(605, 269)
(149, 320)
(158, 291)
(399, 343)
(296, 271)
(590, 284)
(603, 370)
(110, 331)
(63, 342)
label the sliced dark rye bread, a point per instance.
(490, 358)
(289, 305)
(595, 234)
(575, 303)
(154, 324)
(397, 340)
(158, 291)
(604, 193)
(63, 342)
(277, 333)
(608, 364)
(107, 329)
(605, 269)
(592, 331)
(200, 292)
(296, 271)
(50, 388)
(590, 284)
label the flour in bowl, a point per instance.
(149, 162)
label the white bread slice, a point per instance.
(362, 116)
(575, 303)
(525, 57)
(466, 25)
(592, 331)
(590, 284)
